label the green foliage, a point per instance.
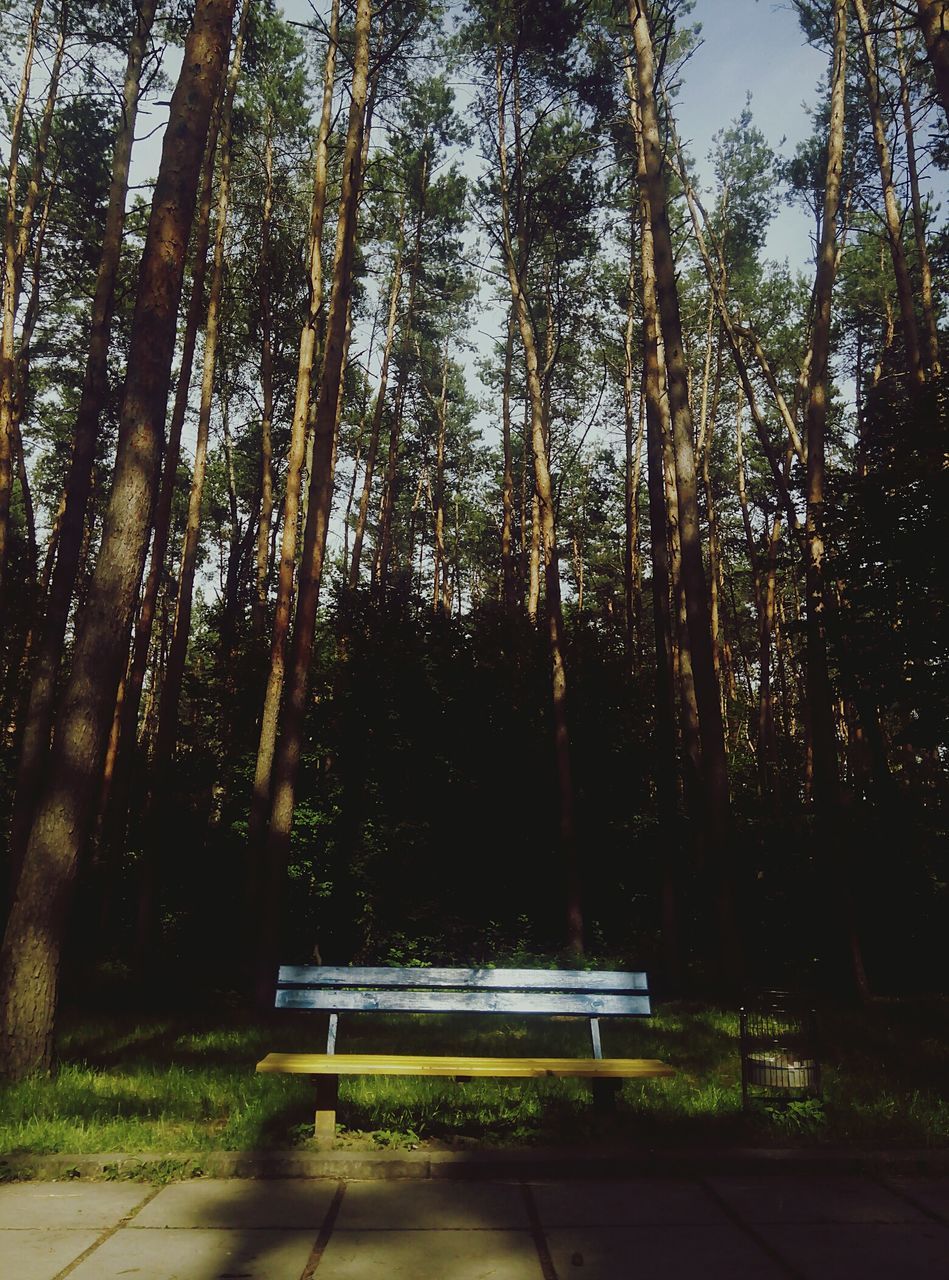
(798, 1117)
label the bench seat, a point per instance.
(404, 1064)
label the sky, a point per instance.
(756, 47)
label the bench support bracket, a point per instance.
(604, 1094)
(327, 1096)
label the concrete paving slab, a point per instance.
(632, 1253)
(95, 1205)
(227, 1202)
(34, 1254)
(430, 1255)
(198, 1255)
(392, 1206)
(870, 1251)
(817, 1199)
(931, 1193)
(632, 1202)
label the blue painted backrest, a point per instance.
(591, 994)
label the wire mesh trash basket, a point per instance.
(778, 1045)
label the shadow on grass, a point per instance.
(166, 1082)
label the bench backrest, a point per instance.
(590, 994)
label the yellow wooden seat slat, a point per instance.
(372, 1064)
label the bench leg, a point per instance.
(327, 1094)
(604, 1094)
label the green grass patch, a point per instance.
(186, 1085)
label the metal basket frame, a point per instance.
(778, 1025)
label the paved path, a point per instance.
(728, 1227)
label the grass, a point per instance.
(188, 1085)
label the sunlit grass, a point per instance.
(167, 1084)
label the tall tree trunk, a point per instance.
(714, 564)
(509, 575)
(822, 739)
(819, 696)
(919, 230)
(664, 759)
(115, 797)
(515, 256)
(389, 491)
(439, 591)
(23, 357)
(29, 957)
(265, 516)
(714, 768)
(16, 240)
(681, 643)
(376, 426)
(934, 22)
(767, 738)
(95, 389)
(287, 757)
(533, 586)
(734, 341)
(763, 587)
(239, 543)
(657, 402)
(8, 444)
(634, 443)
(260, 799)
(157, 806)
(653, 391)
(894, 228)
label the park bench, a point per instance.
(554, 993)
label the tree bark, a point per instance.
(265, 516)
(894, 228)
(23, 357)
(763, 579)
(819, 696)
(29, 958)
(387, 505)
(515, 258)
(328, 404)
(16, 239)
(919, 230)
(115, 798)
(376, 425)
(509, 575)
(714, 768)
(260, 799)
(157, 807)
(653, 392)
(734, 342)
(632, 604)
(95, 387)
(821, 721)
(934, 23)
(441, 602)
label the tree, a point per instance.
(30, 954)
(934, 22)
(16, 239)
(714, 770)
(325, 427)
(261, 799)
(95, 387)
